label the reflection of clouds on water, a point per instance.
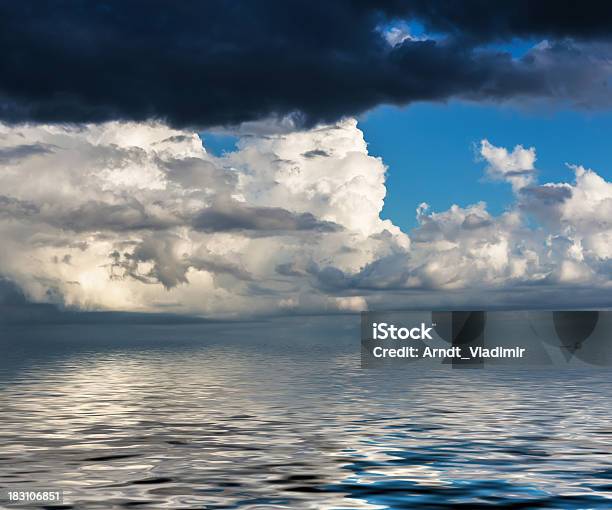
(233, 424)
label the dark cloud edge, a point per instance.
(204, 64)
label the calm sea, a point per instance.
(195, 417)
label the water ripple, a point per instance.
(233, 427)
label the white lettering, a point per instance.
(383, 331)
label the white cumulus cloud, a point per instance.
(125, 216)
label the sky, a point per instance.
(436, 143)
(431, 150)
(227, 161)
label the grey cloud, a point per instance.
(473, 222)
(199, 173)
(14, 208)
(385, 273)
(66, 259)
(289, 269)
(168, 269)
(331, 278)
(122, 217)
(18, 152)
(234, 216)
(518, 173)
(315, 153)
(427, 231)
(90, 216)
(217, 265)
(548, 195)
(175, 139)
(10, 293)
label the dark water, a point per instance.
(221, 424)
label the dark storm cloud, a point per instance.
(234, 216)
(219, 63)
(487, 20)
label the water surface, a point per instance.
(219, 423)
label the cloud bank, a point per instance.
(140, 217)
(193, 63)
